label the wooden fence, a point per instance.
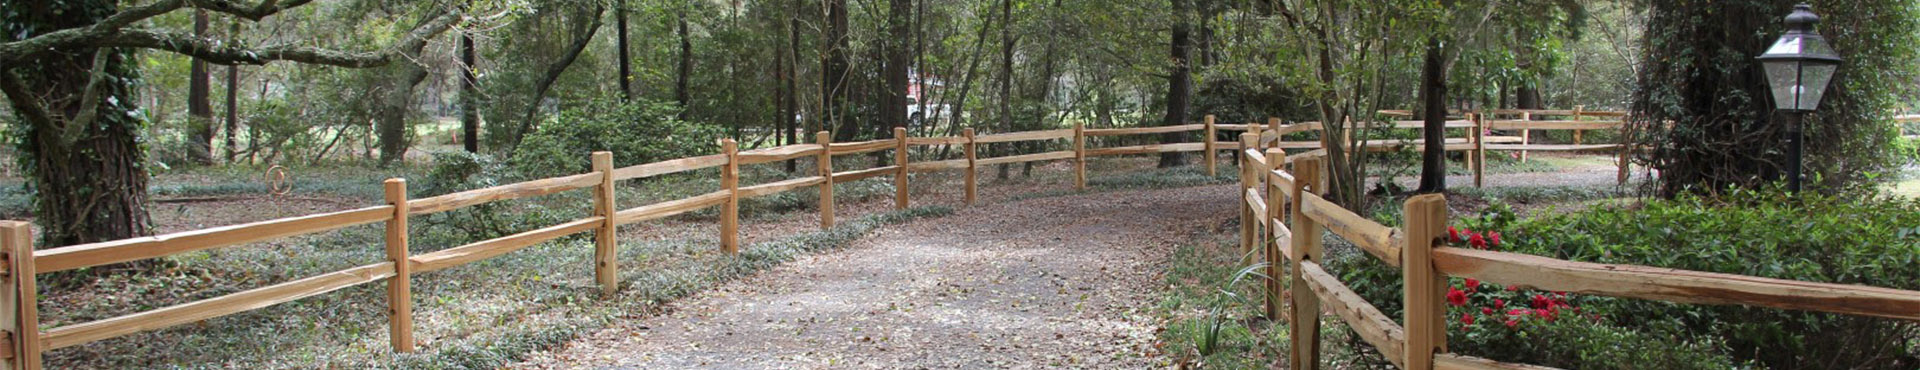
(25, 341)
(1287, 224)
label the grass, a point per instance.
(1211, 310)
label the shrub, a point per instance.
(1528, 326)
(1866, 240)
(637, 132)
(460, 171)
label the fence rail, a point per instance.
(1418, 340)
(1288, 195)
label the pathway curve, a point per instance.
(1064, 281)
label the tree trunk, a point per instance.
(834, 82)
(233, 96)
(1433, 97)
(470, 94)
(1006, 72)
(1179, 83)
(790, 113)
(681, 74)
(83, 155)
(392, 110)
(582, 36)
(899, 57)
(199, 102)
(626, 59)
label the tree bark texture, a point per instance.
(81, 142)
(200, 102)
(1179, 83)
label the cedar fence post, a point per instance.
(900, 175)
(606, 250)
(825, 139)
(1208, 147)
(1526, 135)
(1275, 290)
(23, 298)
(1576, 118)
(730, 212)
(1305, 319)
(1247, 222)
(972, 171)
(1080, 156)
(1425, 287)
(1479, 149)
(400, 286)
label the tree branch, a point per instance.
(111, 32)
(228, 54)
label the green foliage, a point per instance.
(459, 171)
(636, 133)
(1700, 76)
(1532, 327)
(1864, 240)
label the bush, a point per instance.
(636, 133)
(1867, 240)
(461, 171)
(1533, 327)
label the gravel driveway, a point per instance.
(1062, 281)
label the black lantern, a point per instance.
(1799, 66)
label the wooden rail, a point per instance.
(1284, 226)
(1425, 266)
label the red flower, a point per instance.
(1540, 301)
(1477, 241)
(1486, 311)
(1466, 319)
(1473, 285)
(1519, 312)
(1499, 303)
(1513, 288)
(1493, 238)
(1453, 234)
(1456, 297)
(1513, 322)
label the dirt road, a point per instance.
(1051, 282)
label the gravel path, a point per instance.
(1050, 282)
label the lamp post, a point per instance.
(1799, 66)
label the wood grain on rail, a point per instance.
(135, 249)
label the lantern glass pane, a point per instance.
(1813, 79)
(1783, 80)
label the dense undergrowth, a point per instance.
(1865, 240)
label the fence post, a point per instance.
(400, 286)
(1275, 290)
(1207, 147)
(972, 171)
(730, 212)
(1526, 135)
(1425, 288)
(900, 175)
(1247, 222)
(1305, 318)
(23, 297)
(1080, 156)
(1576, 118)
(1273, 124)
(606, 249)
(825, 139)
(1626, 149)
(1479, 149)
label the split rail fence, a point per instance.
(1285, 218)
(25, 341)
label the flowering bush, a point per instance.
(1514, 324)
